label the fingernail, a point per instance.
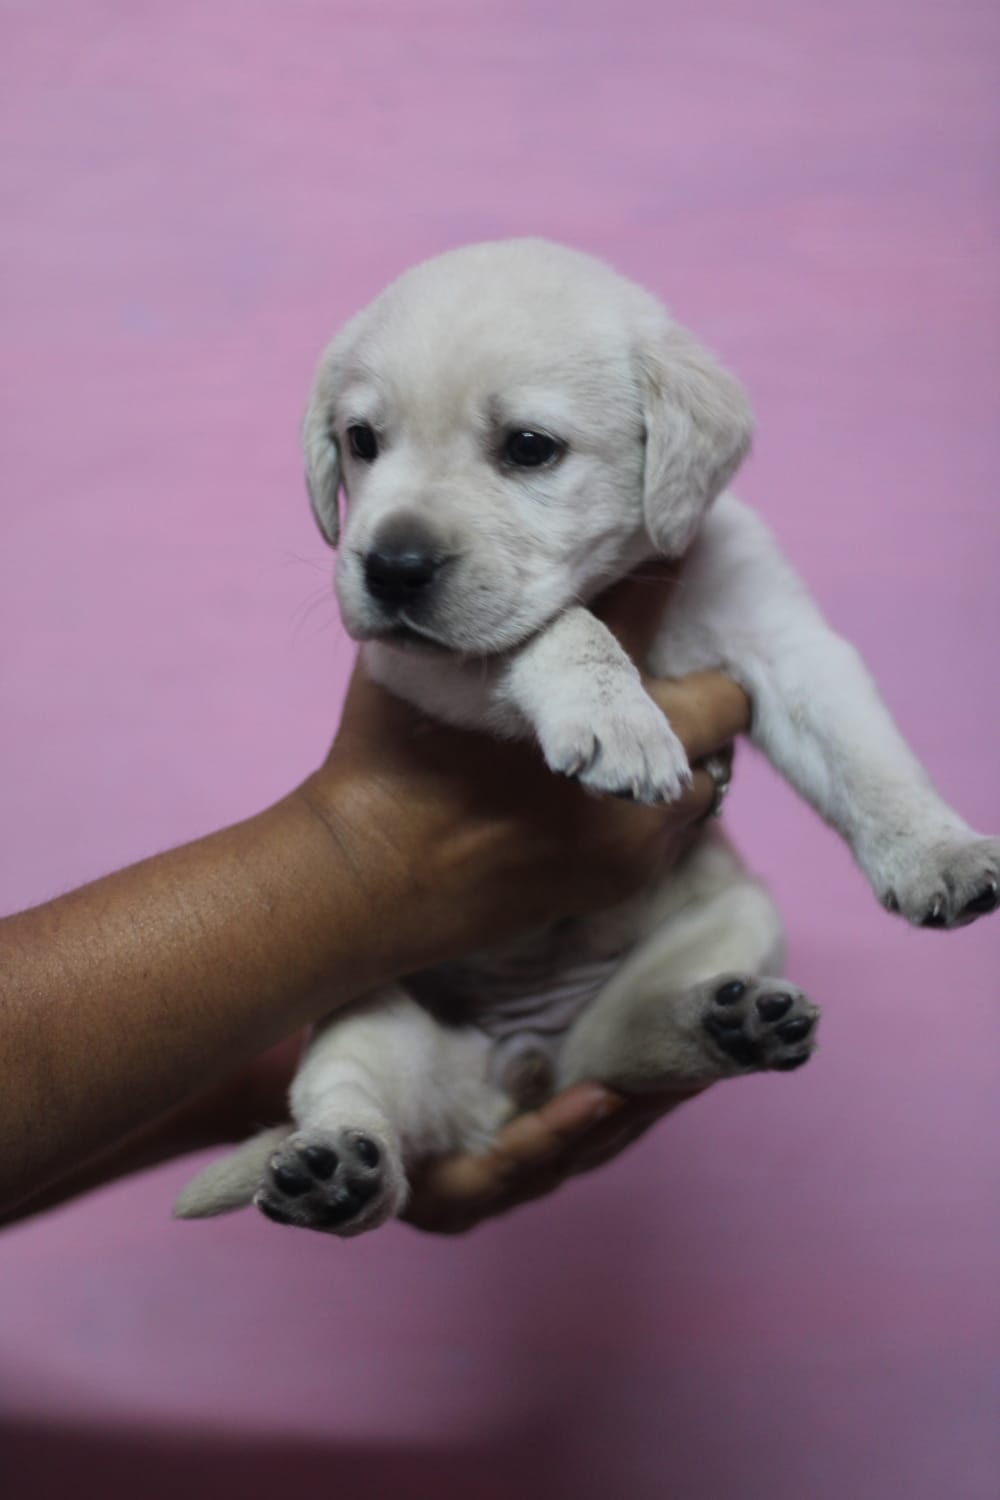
(604, 1105)
(581, 1106)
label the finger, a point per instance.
(453, 1197)
(706, 710)
(610, 1138)
(529, 1140)
(459, 1215)
(698, 800)
(633, 609)
(721, 760)
(613, 1133)
(546, 1132)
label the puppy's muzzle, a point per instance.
(402, 564)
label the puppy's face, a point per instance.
(500, 422)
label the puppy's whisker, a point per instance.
(291, 558)
(305, 611)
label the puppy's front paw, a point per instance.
(944, 884)
(341, 1181)
(623, 746)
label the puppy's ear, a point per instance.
(698, 431)
(322, 463)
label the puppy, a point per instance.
(513, 427)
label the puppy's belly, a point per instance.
(527, 995)
(526, 999)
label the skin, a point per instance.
(158, 1010)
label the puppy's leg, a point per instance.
(585, 702)
(818, 717)
(697, 1001)
(380, 1087)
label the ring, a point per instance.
(720, 775)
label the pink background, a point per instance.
(791, 1290)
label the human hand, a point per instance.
(413, 844)
(533, 1155)
(463, 840)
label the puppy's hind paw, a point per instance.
(759, 1023)
(341, 1181)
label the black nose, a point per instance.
(400, 566)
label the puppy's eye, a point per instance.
(363, 442)
(529, 450)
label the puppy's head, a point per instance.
(513, 426)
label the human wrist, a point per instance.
(374, 874)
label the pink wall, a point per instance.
(790, 1291)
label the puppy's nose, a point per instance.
(401, 565)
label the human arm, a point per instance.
(127, 999)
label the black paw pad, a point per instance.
(760, 1023)
(773, 1007)
(795, 1030)
(985, 901)
(319, 1185)
(321, 1161)
(293, 1184)
(344, 1203)
(935, 917)
(732, 1040)
(342, 1206)
(272, 1212)
(366, 1151)
(728, 1020)
(789, 1064)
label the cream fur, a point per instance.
(673, 987)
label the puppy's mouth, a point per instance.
(401, 633)
(408, 635)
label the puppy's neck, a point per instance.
(457, 690)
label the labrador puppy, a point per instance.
(513, 426)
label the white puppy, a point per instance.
(514, 426)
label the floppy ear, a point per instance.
(698, 431)
(322, 463)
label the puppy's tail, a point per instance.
(231, 1182)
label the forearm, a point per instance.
(412, 845)
(237, 1106)
(129, 995)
